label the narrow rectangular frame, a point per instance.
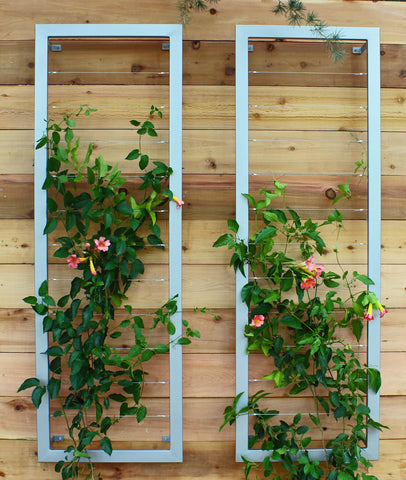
(371, 36)
(174, 32)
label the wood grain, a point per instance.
(213, 151)
(208, 107)
(198, 382)
(219, 23)
(205, 62)
(202, 418)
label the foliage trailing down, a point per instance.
(298, 313)
(104, 237)
(186, 7)
(295, 13)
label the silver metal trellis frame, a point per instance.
(174, 33)
(371, 37)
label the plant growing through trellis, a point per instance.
(105, 230)
(298, 312)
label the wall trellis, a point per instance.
(174, 34)
(371, 37)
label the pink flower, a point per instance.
(382, 310)
(178, 201)
(368, 314)
(308, 283)
(310, 265)
(258, 321)
(73, 261)
(319, 269)
(102, 244)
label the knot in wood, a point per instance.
(330, 193)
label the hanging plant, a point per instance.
(299, 312)
(104, 235)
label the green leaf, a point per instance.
(374, 379)
(344, 476)
(223, 240)
(363, 278)
(49, 301)
(50, 226)
(102, 167)
(250, 199)
(133, 155)
(63, 301)
(340, 412)
(287, 282)
(272, 297)
(54, 351)
(105, 424)
(115, 335)
(363, 409)
(358, 309)
(171, 328)
(161, 348)
(184, 341)
(105, 445)
(30, 300)
(28, 383)
(314, 419)
(297, 418)
(233, 225)
(141, 413)
(357, 327)
(117, 397)
(41, 142)
(70, 122)
(143, 163)
(147, 355)
(37, 395)
(303, 429)
(51, 205)
(291, 322)
(134, 351)
(266, 232)
(55, 365)
(330, 283)
(53, 387)
(75, 287)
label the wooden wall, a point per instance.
(209, 152)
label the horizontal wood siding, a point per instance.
(286, 128)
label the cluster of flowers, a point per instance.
(369, 315)
(100, 245)
(313, 271)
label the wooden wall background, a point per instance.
(208, 191)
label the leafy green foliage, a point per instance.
(298, 314)
(105, 229)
